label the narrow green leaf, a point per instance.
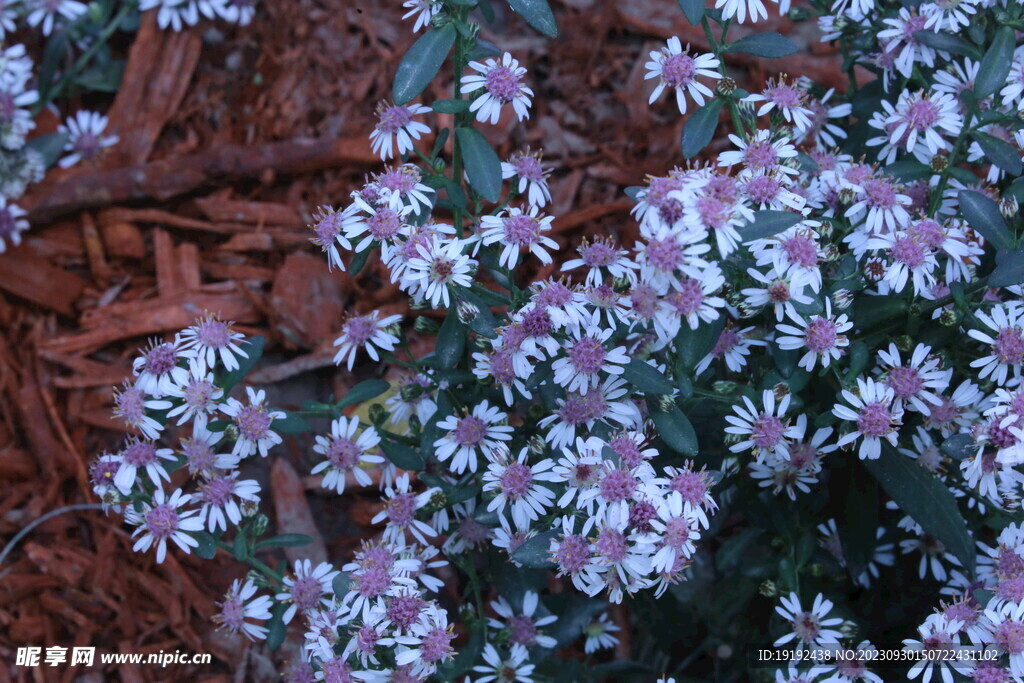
(284, 541)
(537, 14)
(769, 223)
(276, 627)
(401, 455)
(700, 127)
(947, 42)
(674, 428)
(362, 392)
(291, 424)
(451, 340)
(207, 547)
(926, 499)
(483, 167)
(253, 347)
(341, 583)
(693, 9)
(1009, 268)
(422, 62)
(358, 261)
(646, 378)
(534, 553)
(693, 345)
(769, 45)
(960, 446)
(1000, 153)
(451, 106)
(482, 49)
(241, 547)
(996, 64)
(49, 147)
(983, 216)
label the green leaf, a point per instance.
(291, 424)
(692, 345)
(284, 541)
(362, 392)
(960, 446)
(358, 261)
(1009, 268)
(983, 216)
(276, 627)
(700, 127)
(401, 455)
(926, 499)
(55, 50)
(102, 77)
(769, 45)
(451, 106)
(241, 547)
(422, 62)
(49, 147)
(207, 547)
(693, 9)
(996, 64)
(858, 533)
(482, 164)
(908, 170)
(674, 428)
(341, 583)
(769, 223)
(482, 49)
(947, 42)
(534, 553)
(451, 340)
(254, 348)
(537, 14)
(1000, 153)
(646, 378)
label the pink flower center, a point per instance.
(688, 298)
(778, 292)
(198, 394)
(874, 420)
(555, 294)
(162, 521)
(306, 592)
(678, 70)
(922, 114)
(617, 485)
(909, 251)
(404, 610)
(384, 224)
(587, 356)
(140, 453)
(763, 189)
(528, 166)
(336, 670)
(691, 486)
(394, 118)
(641, 514)
(130, 404)
(218, 491)
(470, 431)
(879, 193)
(1009, 346)
(801, 250)
(677, 532)
(436, 645)
(572, 554)
(761, 154)
(806, 627)
(665, 255)
(199, 455)
(1010, 634)
(161, 359)
(627, 450)
(598, 254)
(537, 323)
(524, 631)
(611, 545)
(402, 509)
(784, 96)
(767, 432)
(905, 382)
(522, 229)
(360, 330)
(821, 335)
(253, 422)
(214, 334)
(502, 83)
(515, 481)
(343, 454)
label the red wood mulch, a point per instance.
(229, 140)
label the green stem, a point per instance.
(460, 66)
(716, 48)
(254, 563)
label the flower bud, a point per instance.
(726, 86)
(949, 318)
(666, 403)
(537, 445)
(536, 411)
(724, 387)
(410, 392)
(438, 500)
(378, 415)
(780, 391)
(425, 325)
(249, 507)
(842, 299)
(440, 165)
(904, 342)
(259, 579)
(939, 163)
(1009, 207)
(768, 589)
(467, 312)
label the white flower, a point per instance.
(438, 269)
(765, 430)
(778, 291)
(741, 8)
(429, 643)
(12, 224)
(533, 177)
(809, 628)
(676, 529)
(1006, 626)
(502, 84)
(874, 415)
(346, 454)
(400, 507)
(517, 484)
(85, 137)
(238, 12)
(919, 381)
(1005, 336)
(788, 98)
(587, 358)
(157, 366)
(599, 256)
(396, 122)
(940, 639)
(949, 14)
(369, 332)
(598, 634)
(761, 153)
(515, 669)
(524, 629)
(220, 496)
(211, 339)
(174, 13)
(308, 588)
(131, 404)
(516, 229)
(822, 336)
(163, 520)
(424, 10)
(238, 608)
(141, 455)
(916, 117)
(733, 346)
(478, 433)
(196, 391)
(677, 69)
(254, 421)
(46, 12)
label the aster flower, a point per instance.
(788, 98)
(399, 513)
(47, 12)
(211, 339)
(429, 643)
(917, 383)
(733, 346)
(396, 126)
(346, 453)
(12, 224)
(823, 337)
(102, 471)
(902, 46)
(933, 551)
(174, 13)
(523, 627)
(811, 627)
(155, 368)
(423, 10)
(197, 392)
(951, 15)
(917, 116)
(501, 83)
(141, 455)
(880, 203)
(608, 403)
(254, 421)
(516, 229)
(369, 332)
(329, 227)
(677, 69)
(741, 9)
(200, 451)
(599, 634)
(760, 153)
(874, 414)
(515, 668)
(797, 473)
(532, 177)
(518, 485)
(131, 404)
(308, 589)
(85, 137)
(778, 291)
(164, 520)
(1004, 333)
(238, 12)
(765, 430)
(882, 555)
(221, 496)
(438, 269)
(676, 529)
(479, 433)
(821, 131)
(238, 610)
(692, 299)
(587, 358)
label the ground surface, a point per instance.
(230, 138)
